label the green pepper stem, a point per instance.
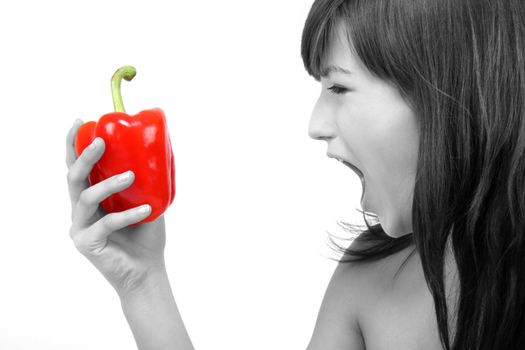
(126, 72)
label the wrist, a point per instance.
(152, 282)
(153, 315)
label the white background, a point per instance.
(247, 251)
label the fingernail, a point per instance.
(94, 144)
(124, 177)
(143, 209)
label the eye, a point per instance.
(337, 89)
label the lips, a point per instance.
(348, 164)
(353, 167)
(359, 173)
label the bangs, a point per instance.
(376, 31)
(320, 28)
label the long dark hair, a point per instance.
(461, 66)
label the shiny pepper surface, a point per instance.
(139, 143)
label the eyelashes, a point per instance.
(337, 90)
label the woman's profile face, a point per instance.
(366, 122)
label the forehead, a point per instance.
(339, 51)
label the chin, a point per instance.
(396, 230)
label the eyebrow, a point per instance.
(333, 69)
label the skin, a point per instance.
(368, 125)
(124, 255)
(130, 258)
(371, 126)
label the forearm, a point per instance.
(154, 317)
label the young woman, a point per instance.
(425, 101)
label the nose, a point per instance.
(321, 125)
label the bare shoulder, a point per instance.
(346, 298)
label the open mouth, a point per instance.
(359, 173)
(354, 168)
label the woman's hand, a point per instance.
(126, 256)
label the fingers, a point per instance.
(70, 143)
(90, 198)
(100, 230)
(93, 240)
(77, 176)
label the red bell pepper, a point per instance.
(140, 143)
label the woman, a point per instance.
(425, 100)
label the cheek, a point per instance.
(397, 144)
(383, 138)
(364, 131)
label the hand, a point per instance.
(126, 256)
